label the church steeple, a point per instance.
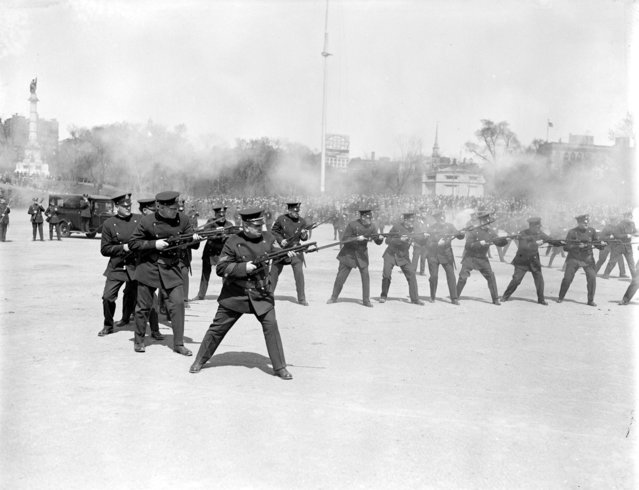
(436, 145)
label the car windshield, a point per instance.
(104, 207)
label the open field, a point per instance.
(397, 396)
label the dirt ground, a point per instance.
(397, 396)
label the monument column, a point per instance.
(32, 163)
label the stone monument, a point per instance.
(32, 163)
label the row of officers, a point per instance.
(150, 254)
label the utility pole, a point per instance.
(325, 54)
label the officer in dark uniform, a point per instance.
(85, 213)
(420, 250)
(36, 210)
(186, 254)
(213, 247)
(116, 233)
(478, 241)
(52, 213)
(245, 289)
(440, 252)
(621, 247)
(160, 269)
(527, 259)
(4, 219)
(289, 229)
(397, 254)
(147, 205)
(630, 292)
(579, 244)
(354, 253)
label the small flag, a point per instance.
(550, 125)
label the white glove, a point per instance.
(161, 244)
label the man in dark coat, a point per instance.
(85, 213)
(289, 229)
(213, 247)
(354, 253)
(159, 268)
(120, 270)
(399, 240)
(621, 234)
(527, 259)
(52, 214)
(478, 241)
(36, 210)
(4, 219)
(440, 252)
(245, 289)
(579, 244)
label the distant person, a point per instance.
(245, 289)
(439, 251)
(478, 241)
(605, 234)
(289, 229)
(52, 213)
(527, 259)
(37, 220)
(397, 254)
(622, 234)
(213, 247)
(4, 219)
(159, 269)
(630, 292)
(354, 253)
(85, 213)
(579, 244)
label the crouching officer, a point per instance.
(245, 289)
(159, 268)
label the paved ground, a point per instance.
(397, 396)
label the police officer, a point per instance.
(354, 253)
(213, 247)
(440, 252)
(186, 254)
(622, 234)
(36, 210)
(147, 206)
(579, 244)
(478, 241)
(4, 219)
(116, 232)
(245, 289)
(52, 213)
(527, 259)
(630, 292)
(159, 268)
(399, 240)
(289, 229)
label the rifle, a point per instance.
(4, 213)
(298, 234)
(283, 253)
(187, 239)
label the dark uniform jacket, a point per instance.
(583, 256)
(4, 214)
(285, 228)
(442, 253)
(475, 249)
(355, 254)
(52, 213)
(116, 232)
(36, 210)
(528, 249)
(85, 208)
(623, 231)
(240, 290)
(158, 268)
(215, 245)
(397, 251)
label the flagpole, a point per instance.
(325, 54)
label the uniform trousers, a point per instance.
(185, 270)
(409, 273)
(419, 259)
(632, 289)
(518, 275)
(145, 303)
(110, 295)
(225, 318)
(207, 267)
(433, 270)
(617, 254)
(572, 266)
(297, 264)
(483, 266)
(37, 227)
(342, 274)
(3, 231)
(57, 230)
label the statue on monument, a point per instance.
(34, 85)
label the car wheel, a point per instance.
(65, 229)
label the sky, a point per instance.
(253, 68)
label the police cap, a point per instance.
(535, 220)
(583, 218)
(147, 202)
(252, 215)
(122, 200)
(167, 197)
(293, 206)
(219, 207)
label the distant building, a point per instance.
(16, 133)
(337, 151)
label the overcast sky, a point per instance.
(253, 68)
